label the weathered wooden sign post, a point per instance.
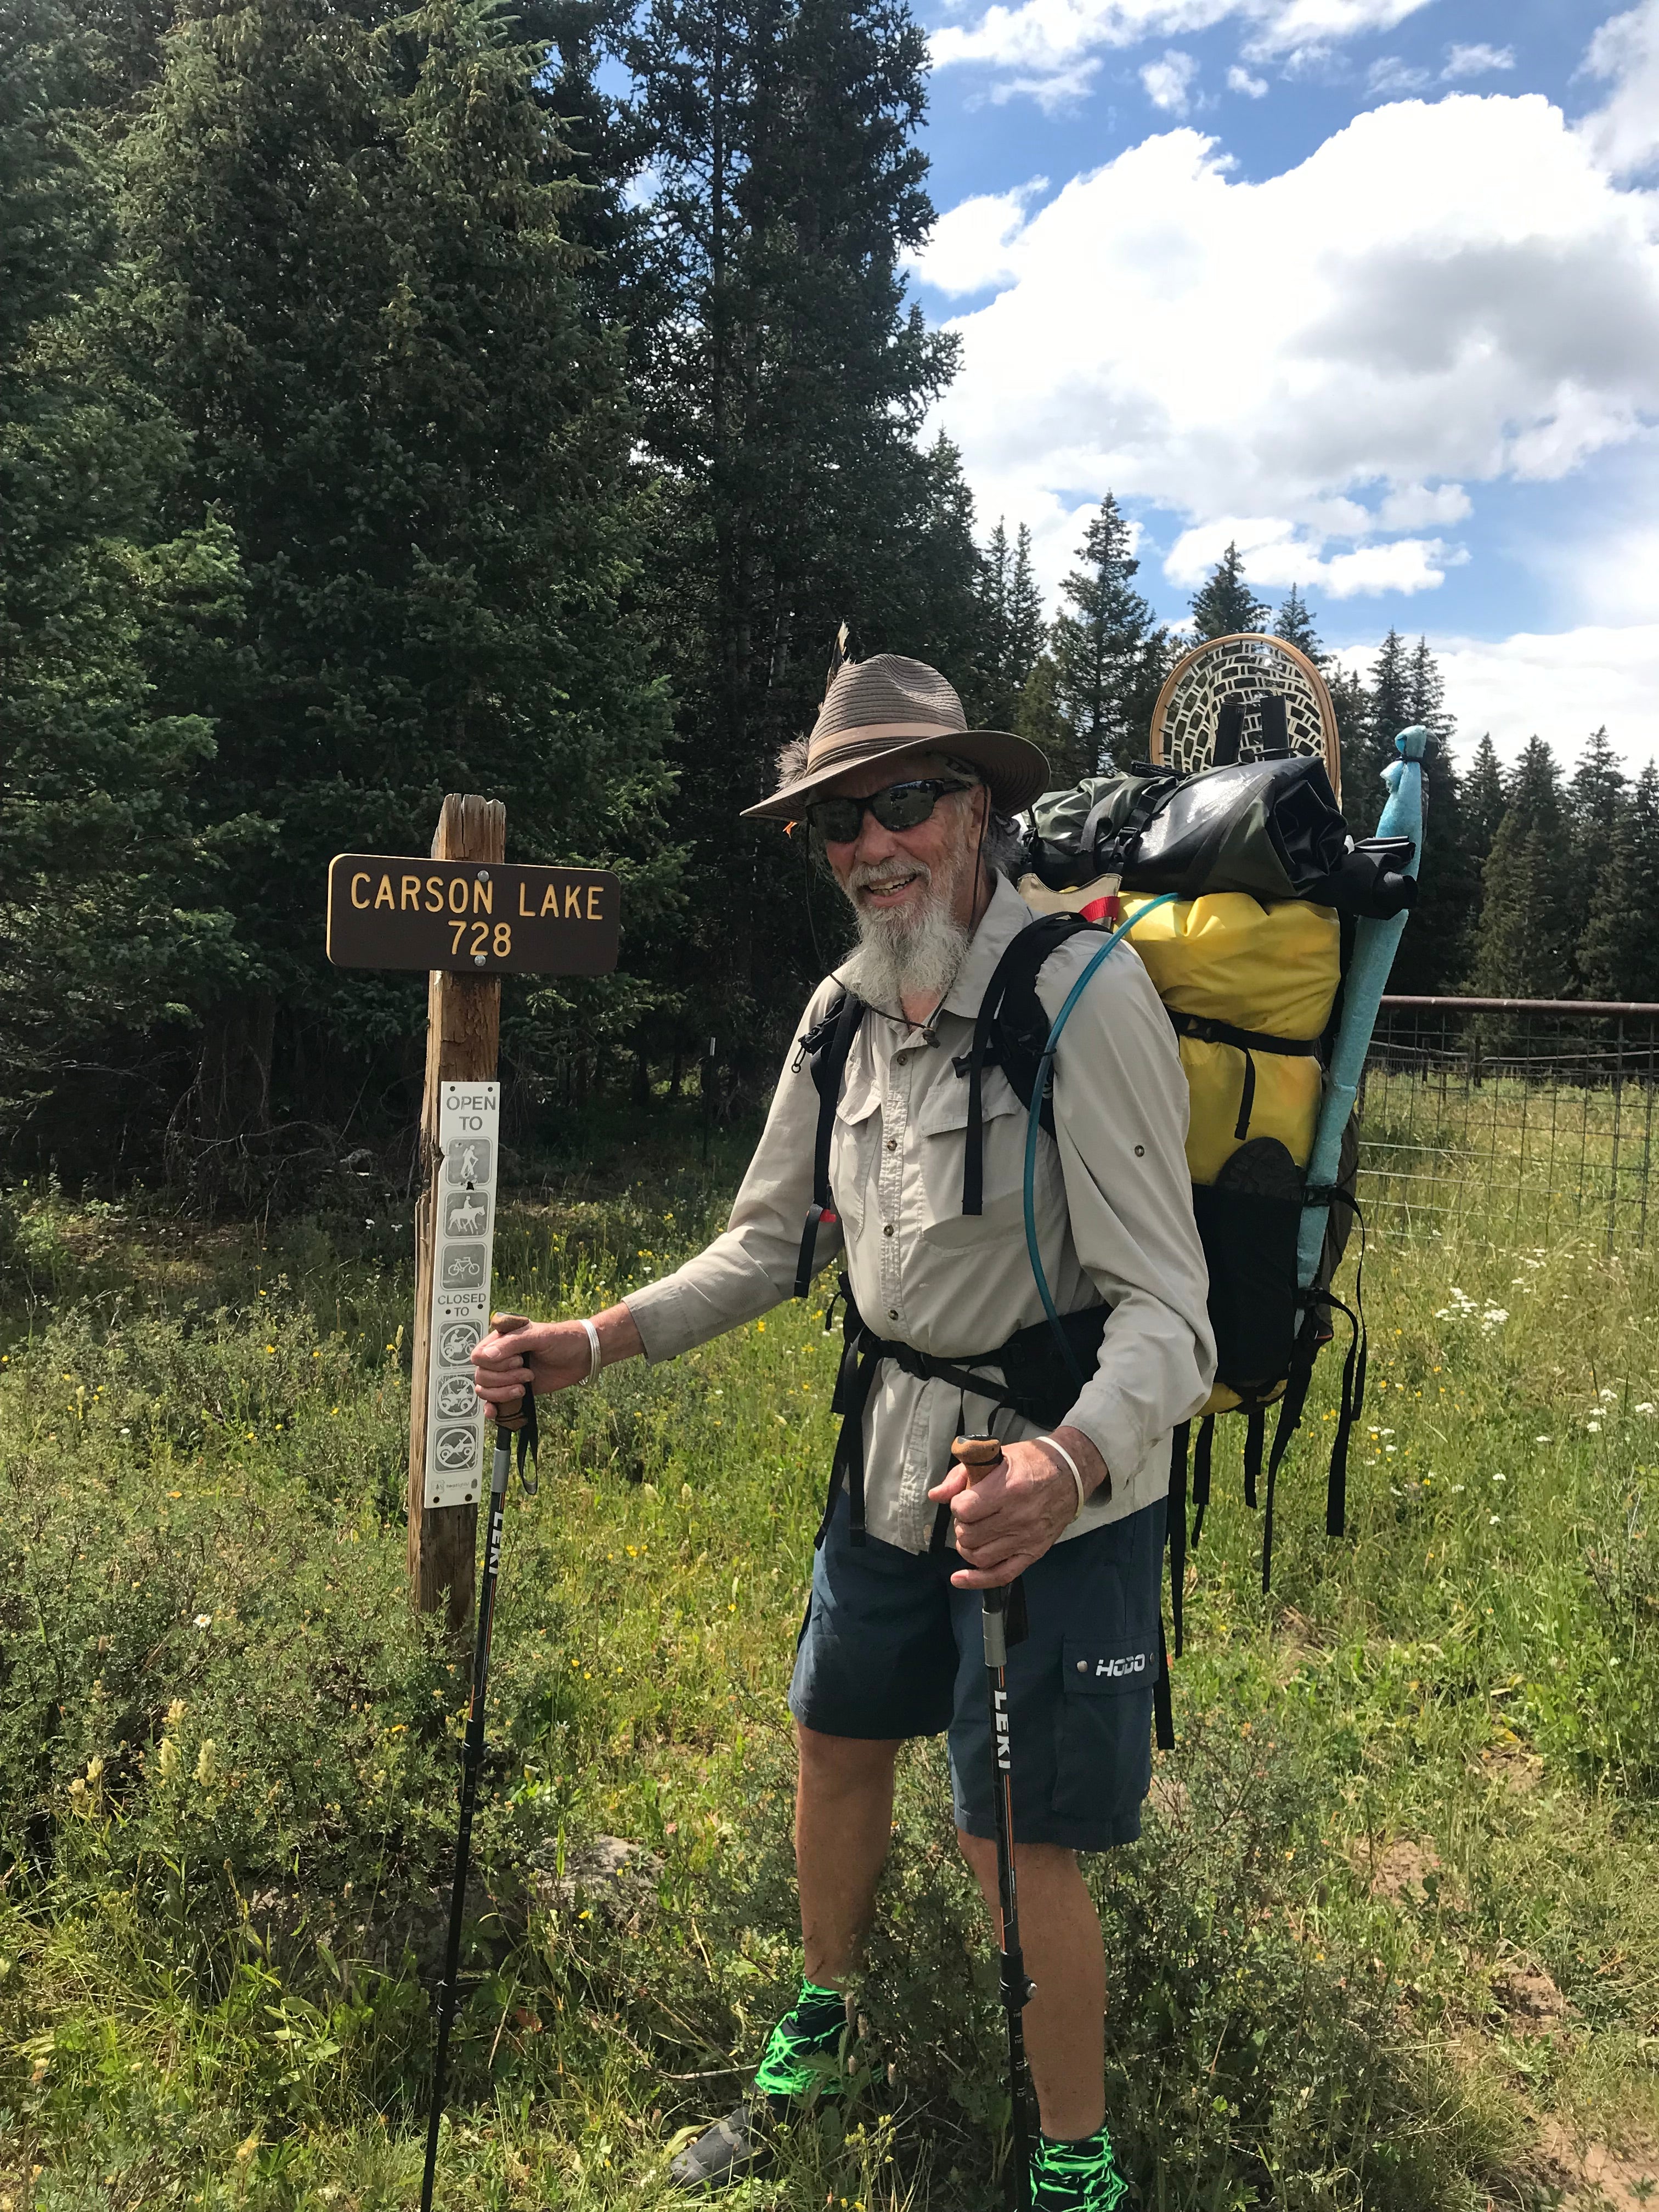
(468, 917)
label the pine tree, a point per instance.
(1100, 646)
(1295, 625)
(1595, 798)
(109, 623)
(1525, 945)
(348, 278)
(1225, 604)
(783, 387)
(1483, 800)
(1028, 634)
(1041, 717)
(1619, 954)
(1438, 945)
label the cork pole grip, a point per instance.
(977, 1454)
(504, 1324)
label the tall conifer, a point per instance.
(1224, 603)
(350, 280)
(1596, 800)
(1619, 954)
(1525, 944)
(1295, 624)
(1104, 646)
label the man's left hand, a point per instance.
(1018, 1509)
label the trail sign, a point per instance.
(469, 918)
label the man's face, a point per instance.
(891, 876)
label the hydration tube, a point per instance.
(1039, 1090)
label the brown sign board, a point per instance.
(472, 917)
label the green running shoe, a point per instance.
(1077, 2176)
(802, 2056)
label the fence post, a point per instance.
(462, 1036)
(1617, 1102)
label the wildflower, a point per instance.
(207, 1764)
(176, 1712)
(649, 1490)
(1493, 1519)
(1606, 1394)
(685, 1493)
(1543, 1440)
(170, 1761)
(204, 1620)
(1645, 1407)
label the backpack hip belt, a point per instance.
(1036, 1384)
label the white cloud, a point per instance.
(1390, 75)
(1475, 61)
(1240, 80)
(1040, 39)
(1624, 135)
(1456, 293)
(1276, 553)
(1167, 84)
(969, 251)
(1558, 685)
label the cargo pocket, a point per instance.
(1103, 1760)
(1249, 1245)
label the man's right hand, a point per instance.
(549, 1355)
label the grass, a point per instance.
(1391, 1938)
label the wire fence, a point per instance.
(1535, 1115)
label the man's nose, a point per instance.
(873, 844)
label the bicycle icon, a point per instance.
(462, 1264)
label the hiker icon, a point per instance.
(465, 1212)
(467, 1161)
(455, 1344)
(455, 1447)
(461, 1266)
(456, 1397)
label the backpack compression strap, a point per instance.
(826, 1045)
(1009, 1032)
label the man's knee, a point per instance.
(843, 1762)
(1038, 1866)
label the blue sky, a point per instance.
(1372, 285)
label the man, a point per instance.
(906, 805)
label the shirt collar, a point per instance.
(998, 925)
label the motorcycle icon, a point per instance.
(455, 1344)
(455, 1397)
(456, 1448)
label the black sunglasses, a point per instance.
(899, 807)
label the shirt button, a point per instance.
(886, 1228)
(892, 1313)
(892, 1143)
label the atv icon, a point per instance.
(456, 1448)
(456, 1398)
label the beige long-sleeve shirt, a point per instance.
(1114, 1213)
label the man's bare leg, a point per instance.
(1066, 2021)
(843, 1817)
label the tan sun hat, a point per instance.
(888, 707)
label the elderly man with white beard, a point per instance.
(910, 811)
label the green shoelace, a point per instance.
(803, 2052)
(1076, 2176)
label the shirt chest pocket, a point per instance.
(942, 1126)
(855, 1147)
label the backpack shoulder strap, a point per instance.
(1011, 1031)
(825, 1046)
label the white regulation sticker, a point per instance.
(468, 1118)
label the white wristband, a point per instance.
(593, 1350)
(1054, 1445)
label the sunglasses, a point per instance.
(900, 806)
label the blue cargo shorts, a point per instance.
(890, 1648)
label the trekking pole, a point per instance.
(521, 1418)
(978, 1455)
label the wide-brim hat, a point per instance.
(888, 707)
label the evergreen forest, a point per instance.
(396, 400)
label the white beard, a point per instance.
(903, 955)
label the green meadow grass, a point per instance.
(1391, 1938)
